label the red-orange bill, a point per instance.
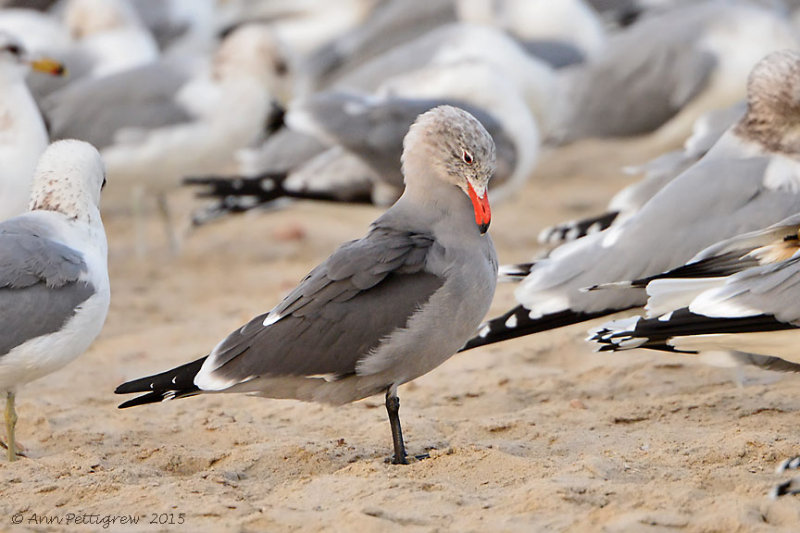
(483, 213)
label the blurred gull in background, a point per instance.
(180, 27)
(92, 38)
(664, 72)
(561, 33)
(479, 68)
(181, 120)
(367, 132)
(657, 173)
(746, 181)
(558, 33)
(22, 131)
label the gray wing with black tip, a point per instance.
(340, 312)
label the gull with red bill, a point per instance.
(23, 134)
(382, 310)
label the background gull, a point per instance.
(154, 125)
(746, 181)
(559, 33)
(391, 24)
(180, 27)
(54, 289)
(506, 87)
(349, 145)
(302, 25)
(110, 34)
(739, 296)
(458, 44)
(664, 72)
(354, 156)
(382, 310)
(92, 38)
(657, 173)
(22, 133)
(39, 32)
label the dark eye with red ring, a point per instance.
(467, 157)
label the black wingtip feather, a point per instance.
(711, 267)
(655, 333)
(237, 194)
(152, 397)
(576, 229)
(500, 330)
(515, 272)
(175, 383)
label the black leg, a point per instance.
(393, 408)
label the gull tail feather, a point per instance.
(175, 383)
(236, 194)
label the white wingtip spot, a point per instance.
(330, 377)
(484, 332)
(169, 395)
(572, 234)
(594, 228)
(788, 464)
(267, 184)
(631, 343)
(535, 314)
(207, 381)
(665, 317)
(511, 323)
(271, 319)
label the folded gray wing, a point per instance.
(282, 151)
(644, 77)
(93, 110)
(338, 314)
(774, 244)
(40, 285)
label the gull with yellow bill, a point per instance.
(23, 136)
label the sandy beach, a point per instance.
(537, 434)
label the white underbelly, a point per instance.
(42, 355)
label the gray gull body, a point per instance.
(382, 310)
